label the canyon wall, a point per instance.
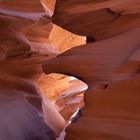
(27, 39)
(110, 66)
(41, 38)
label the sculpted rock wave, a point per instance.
(111, 69)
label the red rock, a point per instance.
(98, 19)
(110, 68)
(109, 64)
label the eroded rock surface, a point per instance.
(99, 18)
(109, 64)
(65, 92)
(111, 69)
(26, 33)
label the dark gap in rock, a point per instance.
(90, 40)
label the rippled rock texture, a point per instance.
(112, 100)
(41, 38)
(110, 66)
(65, 92)
(99, 18)
(27, 39)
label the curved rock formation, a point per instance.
(99, 18)
(109, 63)
(26, 33)
(111, 69)
(64, 92)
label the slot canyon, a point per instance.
(69, 70)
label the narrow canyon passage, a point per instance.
(69, 69)
(34, 105)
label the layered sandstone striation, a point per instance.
(110, 66)
(99, 18)
(111, 69)
(41, 38)
(26, 41)
(65, 92)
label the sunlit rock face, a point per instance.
(65, 92)
(64, 40)
(26, 41)
(49, 5)
(99, 18)
(36, 102)
(111, 69)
